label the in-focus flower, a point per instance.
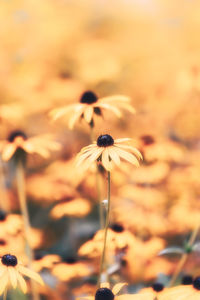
(17, 140)
(157, 289)
(107, 150)
(11, 272)
(105, 293)
(183, 292)
(91, 105)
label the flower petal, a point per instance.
(88, 113)
(122, 140)
(105, 285)
(118, 287)
(22, 283)
(105, 160)
(135, 151)
(114, 109)
(13, 277)
(3, 282)
(114, 156)
(77, 114)
(8, 151)
(59, 112)
(29, 273)
(127, 156)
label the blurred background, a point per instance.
(51, 52)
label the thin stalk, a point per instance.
(4, 204)
(20, 180)
(102, 262)
(184, 257)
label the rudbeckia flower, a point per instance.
(184, 292)
(105, 293)
(156, 290)
(18, 140)
(11, 274)
(107, 150)
(91, 105)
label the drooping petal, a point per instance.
(114, 98)
(82, 157)
(114, 156)
(88, 113)
(13, 276)
(3, 282)
(118, 287)
(29, 273)
(127, 156)
(114, 109)
(77, 114)
(132, 149)
(8, 151)
(59, 112)
(22, 283)
(105, 160)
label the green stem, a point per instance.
(184, 257)
(20, 180)
(102, 262)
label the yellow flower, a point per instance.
(41, 145)
(104, 292)
(107, 150)
(11, 274)
(90, 105)
(183, 292)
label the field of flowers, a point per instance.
(99, 149)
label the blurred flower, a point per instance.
(71, 269)
(10, 224)
(18, 140)
(77, 207)
(90, 105)
(43, 261)
(107, 150)
(10, 274)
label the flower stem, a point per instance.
(102, 262)
(20, 180)
(184, 257)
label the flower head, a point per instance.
(18, 141)
(105, 293)
(183, 292)
(11, 272)
(90, 105)
(106, 150)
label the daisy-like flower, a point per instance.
(91, 105)
(11, 272)
(183, 292)
(107, 150)
(105, 293)
(18, 140)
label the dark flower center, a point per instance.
(105, 140)
(88, 98)
(158, 287)
(147, 139)
(3, 215)
(196, 283)
(187, 279)
(70, 260)
(2, 242)
(104, 294)
(16, 133)
(117, 228)
(9, 260)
